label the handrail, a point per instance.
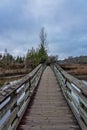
(75, 93)
(15, 98)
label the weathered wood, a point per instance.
(49, 106)
(9, 120)
(19, 96)
(75, 93)
(75, 81)
(49, 110)
(18, 85)
(16, 122)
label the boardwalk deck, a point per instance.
(49, 110)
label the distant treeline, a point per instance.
(32, 58)
(75, 60)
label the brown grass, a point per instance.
(76, 69)
(11, 75)
(7, 80)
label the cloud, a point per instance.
(64, 22)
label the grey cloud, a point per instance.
(64, 21)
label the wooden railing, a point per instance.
(14, 99)
(75, 93)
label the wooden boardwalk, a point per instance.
(49, 109)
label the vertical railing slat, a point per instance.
(75, 93)
(20, 95)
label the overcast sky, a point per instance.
(65, 22)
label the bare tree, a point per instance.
(42, 51)
(43, 36)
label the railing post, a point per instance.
(75, 93)
(15, 99)
(14, 95)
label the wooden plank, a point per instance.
(7, 123)
(72, 79)
(19, 84)
(77, 97)
(17, 121)
(49, 109)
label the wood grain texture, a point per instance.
(49, 109)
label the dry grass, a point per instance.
(11, 75)
(7, 80)
(12, 72)
(76, 69)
